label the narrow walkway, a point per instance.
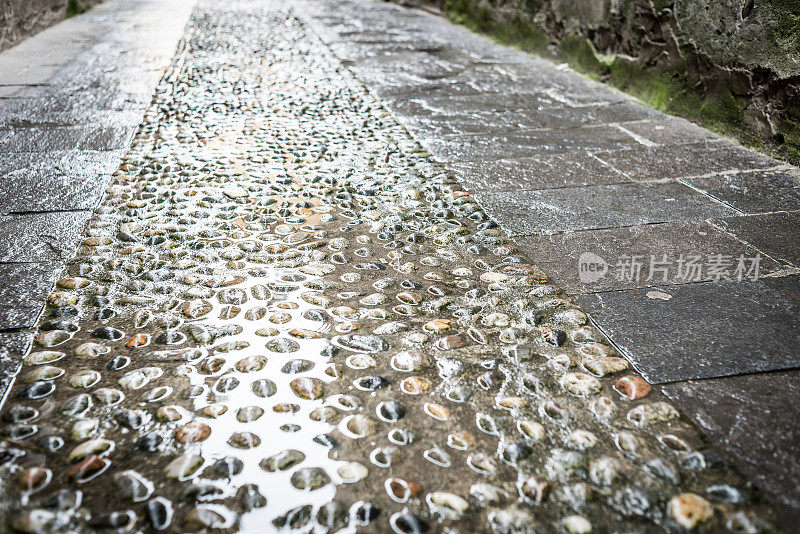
(70, 100)
(285, 314)
(681, 245)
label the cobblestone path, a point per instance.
(284, 316)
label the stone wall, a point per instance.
(733, 65)
(22, 18)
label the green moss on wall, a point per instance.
(784, 35)
(669, 92)
(581, 55)
(75, 7)
(520, 31)
(791, 132)
(657, 91)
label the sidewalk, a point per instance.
(306, 298)
(569, 167)
(71, 98)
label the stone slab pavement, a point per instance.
(666, 210)
(283, 313)
(71, 99)
(688, 242)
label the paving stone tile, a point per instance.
(133, 71)
(25, 73)
(523, 144)
(354, 52)
(574, 169)
(23, 290)
(14, 317)
(676, 161)
(670, 131)
(27, 283)
(13, 346)
(603, 206)
(428, 118)
(753, 192)
(753, 418)
(541, 76)
(703, 330)
(45, 139)
(405, 87)
(454, 98)
(424, 121)
(41, 101)
(23, 192)
(775, 234)
(501, 79)
(15, 165)
(33, 116)
(416, 64)
(572, 117)
(41, 237)
(643, 256)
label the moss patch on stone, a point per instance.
(791, 132)
(582, 56)
(519, 32)
(75, 7)
(784, 35)
(718, 110)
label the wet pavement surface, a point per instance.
(582, 176)
(70, 100)
(287, 315)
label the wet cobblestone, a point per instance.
(285, 316)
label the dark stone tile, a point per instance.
(41, 237)
(428, 118)
(454, 98)
(425, 121)
(15, 317)
(575, 169)
(573, 117)
(670, 131)
(23, 117)
(676, 161)
(533, 75)
(594, 95)
(45, 139)
(355, 51)
(402, 88)
(134, 72)
(26, 283)
(524, 144)
(775, 234)
(500, 79)
(13, 347)
(417, 65)
(16, 165)
(604, 206)
(533, 71)
(753, 192)
(23, 290)
(703, 330)
(644, 256)
(43, 101)
(754, 419)
(28, 192)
